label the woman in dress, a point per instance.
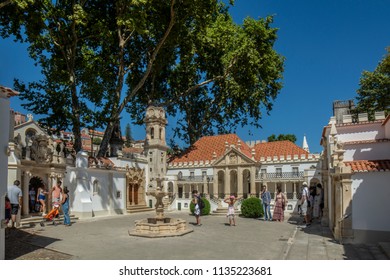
(279, 206)
(231, 213)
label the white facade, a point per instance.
(233, 172)
(357, 175)
(6, 128)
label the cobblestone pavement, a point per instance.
(251, 239)
(18, 247)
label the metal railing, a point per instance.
(280, 175)
(197, 179)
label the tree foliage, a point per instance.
(222, 76)
(56, 33)
(99, 57)
(374, 91)
(282, 137)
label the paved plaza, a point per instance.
(108, 239)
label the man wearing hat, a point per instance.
(304, 206)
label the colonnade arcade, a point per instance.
(238, 181)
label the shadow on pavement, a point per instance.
(19, 245)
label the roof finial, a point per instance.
(305, 146)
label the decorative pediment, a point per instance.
(232, 156)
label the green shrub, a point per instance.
(205, 210)
(252, 208)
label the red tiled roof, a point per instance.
(278, 148)
(104, 161)
(369, 165)
(204, 148)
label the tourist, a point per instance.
(65, 206)
(280, 205)
(266, 200)
(304, 204)
(312, 194)
(15, 197)
(32, 196)
(231, 212)
(197, 210)
(41, 198)
(56, 194)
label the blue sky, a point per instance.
(326, 44)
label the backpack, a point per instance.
(200, 202)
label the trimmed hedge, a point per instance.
(205, 210)
(252, 208)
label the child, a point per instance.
(231, 213)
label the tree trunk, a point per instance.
(106, 140)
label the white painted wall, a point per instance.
(110, 198)
(374, 151)
(371, 201)
(360, 132)
(4, 137)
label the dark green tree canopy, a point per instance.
(220, 77)
(281, 137)
(188, 56)
(374, 91)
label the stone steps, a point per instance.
(139, 209)
(222, 211)
(36, 219)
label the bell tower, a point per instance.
(155, 144)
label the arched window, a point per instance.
(180, 175)
(96, 187)
(152, 133)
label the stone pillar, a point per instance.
(253, 182)
(295, 191)
(346, 208)
(25, 191)
(338, 211)
(326, 191)
(215, 185)
(227, 183)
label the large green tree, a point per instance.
(188, 56)
(223, 75)
(374, 91)
(56, 32)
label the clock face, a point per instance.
(161, 113)
(151, 112)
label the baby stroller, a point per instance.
(51, 215)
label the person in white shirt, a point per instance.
(304, 204)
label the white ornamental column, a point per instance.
(25, 192)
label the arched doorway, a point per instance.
(34, 184)
(135, 187)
